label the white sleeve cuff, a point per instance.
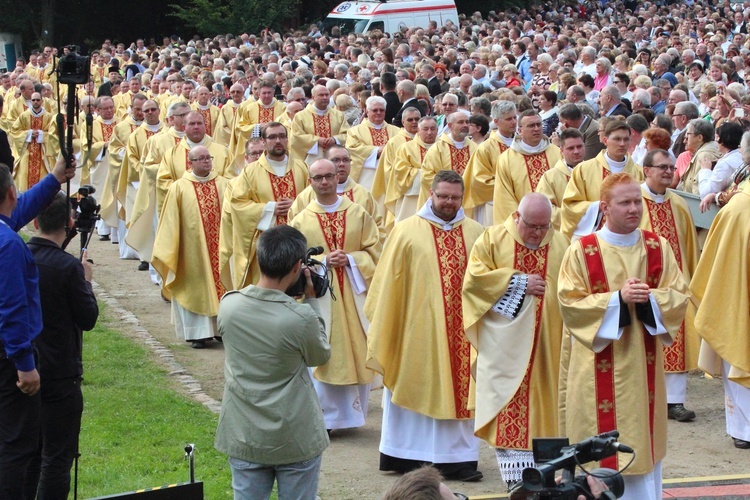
(416, 186)
(511, 300)
(610, 329)
(28, 136)
(267, 220)
(314, 149)
(660, 329)
(40, 137)
(359, 285)
(372, 160)
(588, 222)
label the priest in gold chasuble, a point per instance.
(520, 168)
(555, 180)
(668, 215)
(622, 296)
(316, 128)
(416, 338)
(512, 318)
(351, 246)
(186, 249)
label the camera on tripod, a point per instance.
(87, 209)
(555, 454)
(319, 277)
(73, 68)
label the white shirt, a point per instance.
(718, 179)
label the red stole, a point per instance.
(333, 225)
(283, 187)
(459, 158)
(606, 409)
(452, 260)
(34, 169)
(209, 206)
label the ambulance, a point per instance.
(389, 16)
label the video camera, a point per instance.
(320, 280)
(539, 482)
(73, 68)
(87, 210)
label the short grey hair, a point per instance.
(502, 108)
(689, 109)
(174, 108)
(643, 97)
(375, 99)
(703, 128)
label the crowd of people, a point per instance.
(514, 213)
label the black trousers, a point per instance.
(19, 432)
(62, 406)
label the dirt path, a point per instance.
(350, 465)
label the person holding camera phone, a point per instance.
(68, 308)
(20, 324)
(352, 244)
(271, 425)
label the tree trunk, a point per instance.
(47, 16)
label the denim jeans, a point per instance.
(297, 481)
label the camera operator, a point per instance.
(20, 323)
(271, 424)
(68, 307)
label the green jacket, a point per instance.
(270, 413)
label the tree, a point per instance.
(236, 16)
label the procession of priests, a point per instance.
(498, 277)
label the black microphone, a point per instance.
(315, 251)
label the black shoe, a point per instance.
(143, 266)
(680, 413)
(466, 475)
(198, 344)
(104, 237)
(219, 340)
(741, 444)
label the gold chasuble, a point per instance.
(117, 157)
(34, 157)
(94, 171)
(518, 359)
(518, 173)
(385, 165)
(351, 229)
(174, 165)
(584, 187)
(362, 141)
(225, 124)
(309, 125)
(669, 217)
(186, 249)
(249, 114)
(479, 177)
(210, 114)
(141, 228)
(444, 155)
(351, 190)
(720, 283)
(617, 384)
(129, 179)
(416, 337)
(243, 210)
(552, 185)
(404, 184)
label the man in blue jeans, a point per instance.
(271, 425)
(20, 323)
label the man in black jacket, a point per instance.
(388, 88)
(406, 91)
(68, 307)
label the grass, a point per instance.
(135, 425)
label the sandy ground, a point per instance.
(350, 465)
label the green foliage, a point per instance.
(236, 16)
(135, 425)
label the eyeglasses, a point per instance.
(535, 228)
(149, 110)
(319, 178)
(279, 137)
(35, 100)
(666, 167)
(445, 197)
(202, 159)
(340, 160)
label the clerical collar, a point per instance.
(178, 133)
(531, 149)
(266, 106)
(276, 164)
(332, 207)
(340, 188)
(137, 122)
(194, 144)
(505, 140)
(377, 127)
(658, 198)
(153, 128)
(108, 122)
(619, 240)
(457, 144)
(426, 213)
(320, 112)
(37, 113)
(202, 179)
(570, 169)
(204, 108)
(615, 166)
